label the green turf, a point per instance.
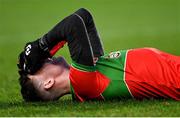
(122, 24)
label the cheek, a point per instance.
(40, 78)
(54, 71)
(51, 70)
(38, 82)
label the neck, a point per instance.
(63, 83)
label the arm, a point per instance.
(92, 32)
(71, 28)
(78, 30)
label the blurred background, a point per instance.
(122, 24)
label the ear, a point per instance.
(48, 83)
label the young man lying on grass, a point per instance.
(143, 73)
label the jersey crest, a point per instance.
(112, 55)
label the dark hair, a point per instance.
(28, 91)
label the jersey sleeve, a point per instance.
(94, 37)
(86, 85)
(79, 31)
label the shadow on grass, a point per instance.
(67, 107)
(13, 104)
(69, 103)
(63, 102)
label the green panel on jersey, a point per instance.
(112, 66)
(83, 67)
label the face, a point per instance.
(46, 78)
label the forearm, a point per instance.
(56, 37)
(92, 32)
(72, 30)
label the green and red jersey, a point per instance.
(136, 73)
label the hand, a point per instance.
(32, 58)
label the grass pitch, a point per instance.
(122, 24)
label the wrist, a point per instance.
(44, 47)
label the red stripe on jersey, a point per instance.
(88, 85)
(153, 74)
(57, 47)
